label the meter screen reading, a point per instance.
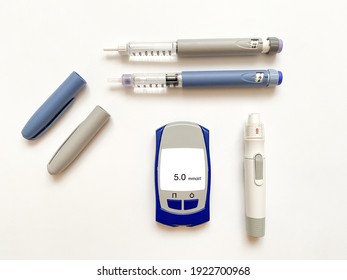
(182, 169)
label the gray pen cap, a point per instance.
(78, 140)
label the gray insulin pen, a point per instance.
(203, 79)
(202, 47)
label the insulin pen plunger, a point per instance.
(254, 172)
(202, 47)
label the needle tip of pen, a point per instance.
(114, 80)
(110, 49)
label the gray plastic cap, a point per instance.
(276, 45)
(78, 140)
(255, 227)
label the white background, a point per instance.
(103, 206)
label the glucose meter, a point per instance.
(182, 174)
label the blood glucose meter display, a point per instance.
(182, 169)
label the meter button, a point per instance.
(191, 204)
(175, 204)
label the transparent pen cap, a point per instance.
(157, 80)
(159, 49)
(126, 80)
(149, 80)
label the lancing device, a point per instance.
(203, 79)
(254, 172)
(202, 47)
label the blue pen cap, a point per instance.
(54, 107)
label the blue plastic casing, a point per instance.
(54, 107)
(231, 78)
(172, 219)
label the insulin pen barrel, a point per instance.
(201, 47)
(227, 47)
(254, 172)
(231, 78)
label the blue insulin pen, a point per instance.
(203, 79)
